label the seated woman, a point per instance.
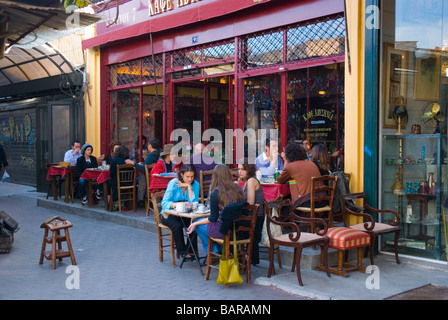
(166, 162)
(224, 192)
(120, 157)
(300, 171)
(113, 147)
(254, 195)
(321, 158)
(82, 163)
(184, 188)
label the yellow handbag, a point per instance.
(228, 268)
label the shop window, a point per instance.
(262, 97)
(125, 117)
(135, 71)
(413, 116)
(315, 98)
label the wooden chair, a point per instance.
(322, 189)
(74, 182)
(163, 232)
(369, 225)
(126, 185)
(244, 223)
(273, 209)
(148, 201)
(205, 180)
(298, 240)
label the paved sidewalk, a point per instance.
(110, 256)
(116, 262)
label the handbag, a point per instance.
(228, 268)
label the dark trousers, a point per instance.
(176, 226)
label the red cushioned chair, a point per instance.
(369, 225)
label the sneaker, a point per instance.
(98, 194)
(84, 200)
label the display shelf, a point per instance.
(421, 213)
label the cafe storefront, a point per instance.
(227, 64)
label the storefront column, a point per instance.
(354, 97)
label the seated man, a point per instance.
(203, 161)
(269, 161)
(74, 153)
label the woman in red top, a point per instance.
(166, 163)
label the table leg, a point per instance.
(105, 196)
(67, 188)
(55, 187)
(190, 245)
(89, 194)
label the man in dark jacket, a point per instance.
(152, 157)
(3, 160)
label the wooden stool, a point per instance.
(343, 238)
(55, 225)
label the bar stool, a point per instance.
(55, 225)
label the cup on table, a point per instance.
(180, 207)
(201, 208)
(104, 164)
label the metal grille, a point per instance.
(263, 50)
(135, 71)
(320, 39)
(314, 39)
(198, 55)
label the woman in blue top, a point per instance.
(184, 188)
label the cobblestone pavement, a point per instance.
(115, 262)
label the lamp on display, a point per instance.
(400, 113)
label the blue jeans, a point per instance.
(201, 231)
(83, 186)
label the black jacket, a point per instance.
(3, 160)
(231, 212)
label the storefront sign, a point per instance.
(161, 6)
(318, 113)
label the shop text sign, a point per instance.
(161, 6)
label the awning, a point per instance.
(168, 20)
(29, 26)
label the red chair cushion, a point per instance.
(346, 238)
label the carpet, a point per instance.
(428, 292)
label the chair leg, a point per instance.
(271, 269)
(159, 233)
(372, 247)
(209, 259)
(294, 265)
(279, 258)
(324, 257)
(397, 236)
(119, 201)
(298, 254)
(172, 248)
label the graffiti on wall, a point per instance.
(19, 139)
